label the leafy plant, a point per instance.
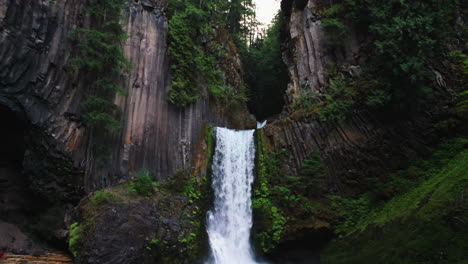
(101, 197)
(144, 184)
(421, 223)
(195, 50)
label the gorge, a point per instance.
(128, 132)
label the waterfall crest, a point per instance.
(230, 221)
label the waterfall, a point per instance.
(230, 221)
(261, 124)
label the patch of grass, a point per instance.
(101, 197)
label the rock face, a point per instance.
(367, 144)
(158, 136)
(36, 81)
(42, 96)
(357, 153)
(309, 53)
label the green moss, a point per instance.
(269, 220)
(423, 223)
(455, 116)
(286, 204)
(75, 239)
(210, 145)
(336, 30)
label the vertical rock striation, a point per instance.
(308, 52)
(37, 81)
(365, 145)
(157, 135)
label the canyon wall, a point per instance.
(38, 84)
(353, 150)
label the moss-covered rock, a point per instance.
(120, 225)
(144, 221)
(425, 222)
(287, 208)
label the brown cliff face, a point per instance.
(157, 135)
(309, 53)
(36, 81)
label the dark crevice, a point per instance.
(30, 213)
(266, 73)
(300, 4)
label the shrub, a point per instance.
(101, 197)
(144, 184)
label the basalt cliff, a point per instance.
(323, 175)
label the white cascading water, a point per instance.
(261, 124)
(230, 221)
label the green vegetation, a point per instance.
(196, 48)
(101, 58)
(144, 183)
(75, 238)
(269, 219)
(282, 203)
(408, 39)
(344, 94)
(210, 145)
(101, 197)
(422, 221)
(406, 36)
(265, 72)
(197, 187)
(455, 116)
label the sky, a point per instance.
(266, 10)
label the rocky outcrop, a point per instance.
(36, 78)
(127, 228)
